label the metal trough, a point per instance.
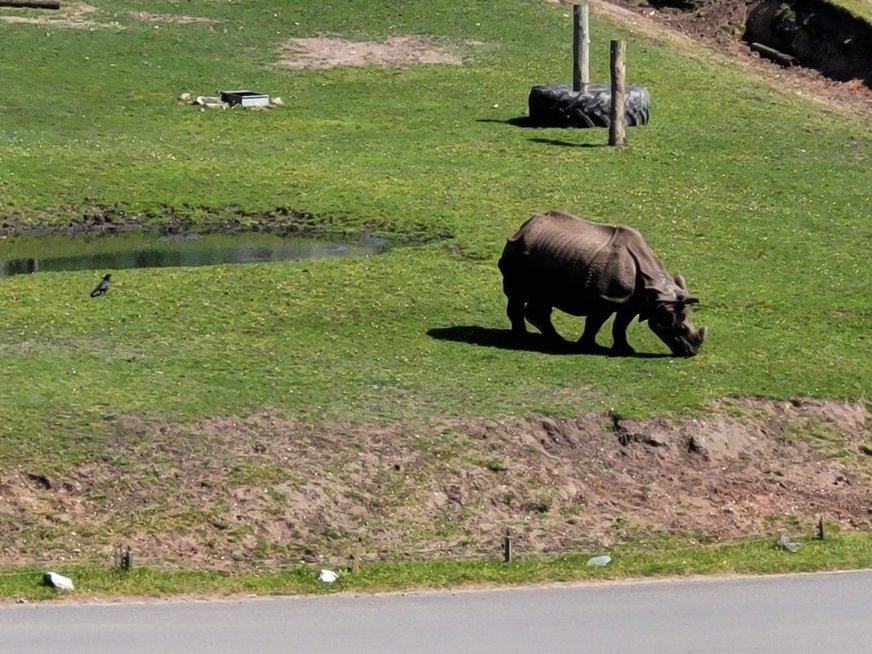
(245, 98)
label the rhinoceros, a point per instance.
(556, 260)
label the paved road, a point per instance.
(803, 613)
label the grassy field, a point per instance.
(760, 199)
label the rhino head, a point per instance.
(668, 316)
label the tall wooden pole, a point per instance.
(617, 117)
(580, 48)
(31, 4)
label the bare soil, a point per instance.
(241, 493)
(719, 25)
(77, 15)
(178, 19)
(397, 51)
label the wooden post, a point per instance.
(126, 559)
(31, 4)
(507, 548)
(355, 558)
(580, 48)
(617, 118)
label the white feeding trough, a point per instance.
(245, 98)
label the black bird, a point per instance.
(102, 287)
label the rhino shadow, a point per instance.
(504, 339)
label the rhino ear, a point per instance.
(678, 279)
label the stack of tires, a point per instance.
(557, 105)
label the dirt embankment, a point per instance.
(828, 40)
(239, 493)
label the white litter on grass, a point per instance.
(327, 576)
(599, 561)
(205, 102)
(787, 543)
(55, 580)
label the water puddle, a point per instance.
(22, 255)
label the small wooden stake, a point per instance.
(123, 558)
(126, 559)
(820, 528)
(507, 548)
(617, 118)
(355, 559)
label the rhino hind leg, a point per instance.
(539, 315)
(592, 325)
(620, 346)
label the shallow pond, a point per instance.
(30, 254)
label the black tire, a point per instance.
(556, 105)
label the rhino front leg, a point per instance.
(592, 325)
(620, 346)
(539, 316)
(515, 312)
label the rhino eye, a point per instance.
(664, 316)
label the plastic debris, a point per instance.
(599, 561)
(327, 576)
(211, 102)
(55, 580)
(787, 543)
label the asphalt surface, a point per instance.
(797, 613)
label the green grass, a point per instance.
(673, 557)
(861, 8)
(762, 200)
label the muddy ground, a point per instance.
(264, 490)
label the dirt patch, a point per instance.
(397, 51)
(187, 219)
(69, 16)
(81, 16)
(241, 493)
(190, 220)
(172, 18)
(720, 25)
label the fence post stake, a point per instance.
(507, 547)
(355, 558)
(580, 48)
(617, 117)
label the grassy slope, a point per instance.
(761, 200)
(861, 8)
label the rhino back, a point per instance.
(571, 261)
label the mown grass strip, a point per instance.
(674, 558)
